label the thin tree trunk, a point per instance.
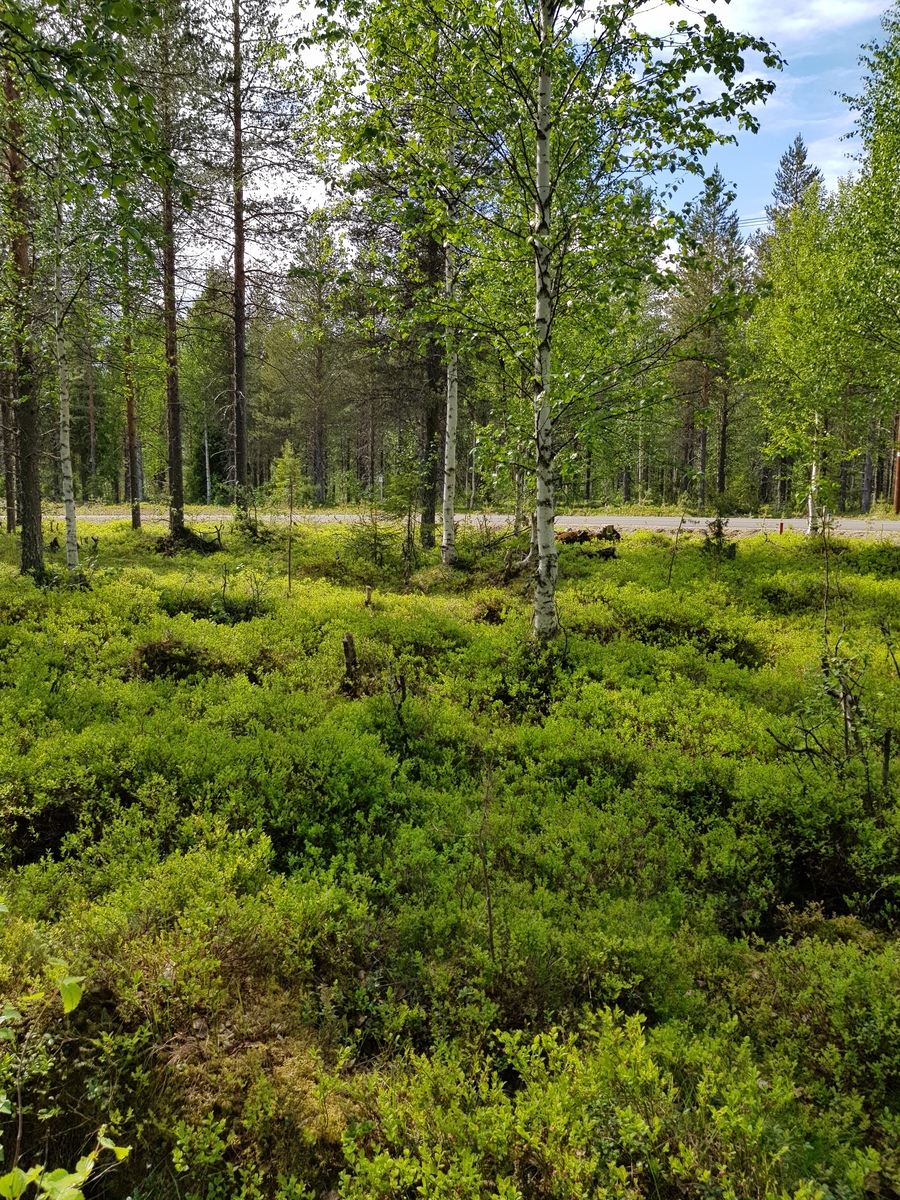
(812, 520)
(92, 414)
(430, 444)
(173, 398)
(131, 430)
(545, 616)
(319, 465)
(448, 507)
(435, 398)
(62, 373)
(722, 448)
(9, 456)
(240, 278)
(867, 482)
(704, 440)
(27, 411)
(206, 460)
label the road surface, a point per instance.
(879, 528)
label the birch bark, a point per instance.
(812, 522)
(545, 621)
(448, 508)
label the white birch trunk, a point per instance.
(812, 521)
(448, 508)
(545, 616)
(62, 373)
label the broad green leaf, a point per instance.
(71, 991)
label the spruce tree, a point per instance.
(793, 179)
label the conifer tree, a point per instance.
(712, 281)
(793, 179)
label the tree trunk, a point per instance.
(206, 460)
(173, 398)
(812, 521)
(722, 448)
(25, 385)
(131, 431)
(545, 615)
(435, 397)
(92, 415)
(448, 506)
(318, 455)
(240, 278)
(62, 374)
(430, 444)
(704, 441)
(868, 475)
(7, 424)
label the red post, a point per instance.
(781, 526)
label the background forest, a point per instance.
(178, 314)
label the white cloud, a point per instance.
(798, 25)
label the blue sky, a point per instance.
(821, 40)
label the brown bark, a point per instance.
(722, 448)
(131, 434)
(319, 463)
(173, 397)
(240, 279)
(24, 381)
(9, 454)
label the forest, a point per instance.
(362, 834)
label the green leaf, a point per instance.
(71, 991)
(121, 1152)
(13, 1184)
(9, 1013)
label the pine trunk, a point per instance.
(240, 277)
(28, 428)
(173, 398)
(318, 455)
(131, 449)
(62, 375)
(9, 455)
(545, 615)
(722, 448)
(704, 441)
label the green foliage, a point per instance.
(277, 935)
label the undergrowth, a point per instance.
(615, 917)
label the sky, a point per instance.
(822, 42)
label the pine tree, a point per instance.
(712, 280)
(793, 179)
